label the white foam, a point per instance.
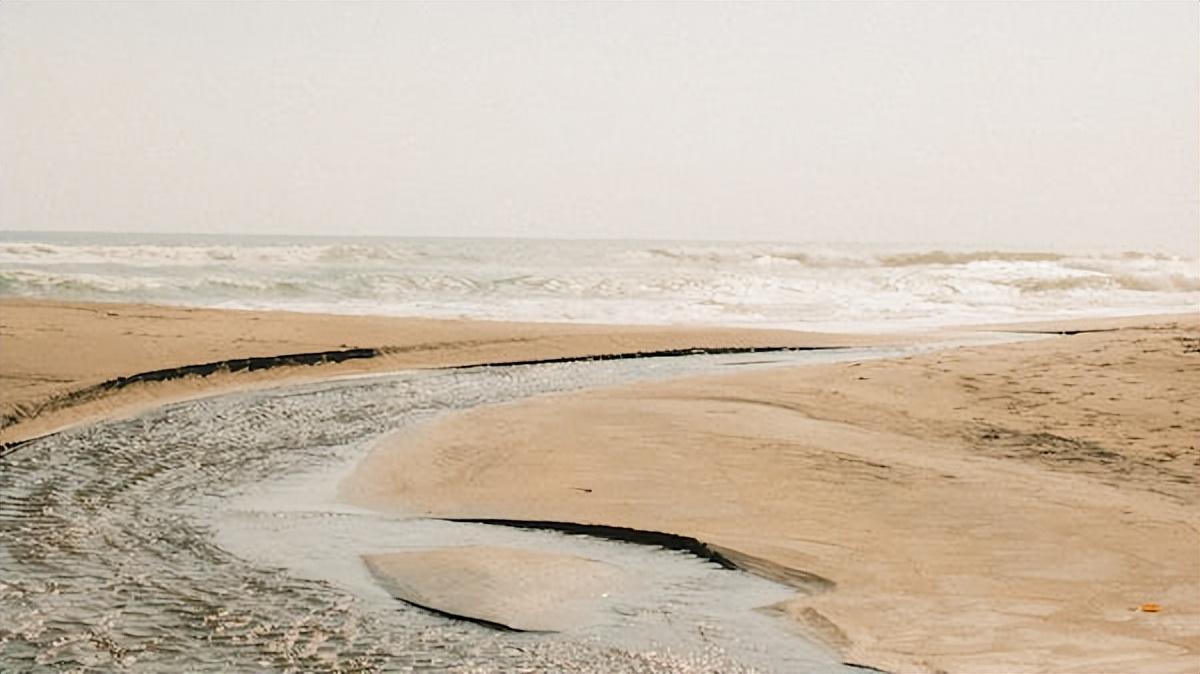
(814, 286)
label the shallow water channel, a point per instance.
(206, 536)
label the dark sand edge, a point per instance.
(253, 364)
(811, 624)
(723, 556)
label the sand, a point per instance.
(1003, 508)
(54, 355)
(514, 588)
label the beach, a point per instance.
(1017, 507)
(585, 338)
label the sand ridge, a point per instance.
(511, 587)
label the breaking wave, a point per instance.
(809, 286)
(1146, 282)
(944, 258)
(826, 258)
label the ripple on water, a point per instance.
(124, 547)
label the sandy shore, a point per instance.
(1006, 508)
(1003, 508)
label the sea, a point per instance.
(810, 286)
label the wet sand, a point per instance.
(510, 587)
(1003, 508)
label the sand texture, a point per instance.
(1003, 508)
(514, 588)
(984, 509)
(58, 360)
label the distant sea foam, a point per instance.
(808, 286)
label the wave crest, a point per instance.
(824, 258)
(1160, 283)
(941, 257)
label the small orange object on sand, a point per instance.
(1150, 608)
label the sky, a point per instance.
(1026, 125)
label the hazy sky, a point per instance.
(1033, 124)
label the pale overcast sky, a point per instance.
(1035, 125)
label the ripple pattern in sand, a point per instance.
(111, 559)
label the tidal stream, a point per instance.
(207, 536)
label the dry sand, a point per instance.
(1004, 508)
(991, 509)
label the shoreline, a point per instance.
(876, 477)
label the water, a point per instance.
(203, 536)
(807, 286)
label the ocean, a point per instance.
(811, 286)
